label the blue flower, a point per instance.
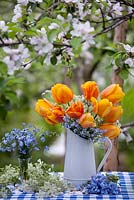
(100, 184)
(23, 141)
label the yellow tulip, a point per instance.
(87, 121)
(114, 114)
(61, 93)
(101, 108)
(111, 130)
(75, 110)
(113, 92)
(90, 89)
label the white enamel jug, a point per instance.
(79, 163)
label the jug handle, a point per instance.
(106, 154)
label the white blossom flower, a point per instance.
(71, 1)
(53, 26)
(25, 2)
(128, 48)
(3, 27)
(41, 43)
(117, 9)
(130, 62)
(17, 13)
(81, 29)
(15, 58)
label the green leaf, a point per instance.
(124, 74)
(76, 44)
(13, 81)
(2, 83)
(30, 33)
(53, 60)
(52, 33)
(118, 59)
(10, 95)
(3, 68)
(110, 49)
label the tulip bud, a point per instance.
(61, 93)
(111, 130)
(90, 89)
(87, 121)
(113, 92)
(75, 110)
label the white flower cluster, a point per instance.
(81, 29)
(130, 51)
(25, 2)
(15, 58)
(72, 1)
(117, 9)
(17, 13)
(3, 27)
(41, 43)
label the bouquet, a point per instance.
(91, 115)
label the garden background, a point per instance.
(22, 86)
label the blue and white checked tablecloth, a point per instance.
(127, 192)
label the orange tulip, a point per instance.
(111, 130)
(61, 93)
(90, 89)
(87, 121)
(101, 108)
(42, 105)
(54, 115)
(51, 113)
(75, 110)
(113, 92)
(114, 114)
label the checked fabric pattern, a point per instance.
(126, 184)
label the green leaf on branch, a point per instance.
(76, 44)
(31, 33)
(52, 33)
(108, 48)
(124, 74)
(118, 59)
(53, 60)
(3, 68)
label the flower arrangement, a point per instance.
(91, 115)
(23, 142)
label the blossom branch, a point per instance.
(114, 25)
